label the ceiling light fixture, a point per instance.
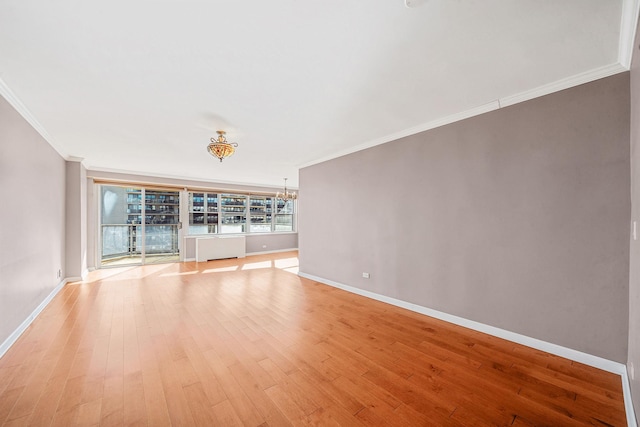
(286, 195)
(219, 146)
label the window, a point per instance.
(234, 213)
(203, 213)
(260, 214)
(284, 215)
(229, 213)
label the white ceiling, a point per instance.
(142, 85)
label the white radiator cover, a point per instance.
(220, 247)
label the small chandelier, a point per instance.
(219, 146)
(286, 195)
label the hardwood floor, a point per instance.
(248, 342)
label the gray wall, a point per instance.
(92, 223)
(634, 270)
(271, 242)
(76, 219)
(517, 218)
(32, 219)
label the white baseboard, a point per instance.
(272, 252)
(568, 353)
(6, 345)
(628, 402)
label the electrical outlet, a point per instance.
(632, 372)
(635, 231)
(59, 273)
(264, 246)
(365, 275)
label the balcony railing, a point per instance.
(120, 240)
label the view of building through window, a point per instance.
(142, 224)
(223, 213)
(137, 222)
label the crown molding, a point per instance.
(556, 86)
(628, 25)
(15, 102)
(569, 82)
(75, 159)
(494, 105)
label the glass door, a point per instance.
(120, 225)
(162, 215)
(138, 226)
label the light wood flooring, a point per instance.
(248, 342)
